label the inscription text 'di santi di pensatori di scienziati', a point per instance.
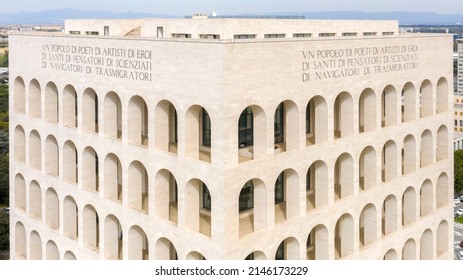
(122, 63)
(328, 64)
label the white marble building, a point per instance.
(231, 139)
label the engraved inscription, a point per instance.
(328, 64)
(131, 64)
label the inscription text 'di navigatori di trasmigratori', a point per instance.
(122, 63)
(328, 64)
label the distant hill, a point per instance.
(58, 16)
(402, 17)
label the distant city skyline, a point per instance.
(184, 7)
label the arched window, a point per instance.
(251, 142)
(316, 121)
(343, 115)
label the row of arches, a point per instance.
(395, 212)
(162, 200)
(46, 204)
(30, 246)
(84, 110)
(316, 244)
(390, 156)
(373, 112)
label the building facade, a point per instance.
(460, 68)
(231, 139)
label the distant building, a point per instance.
(457, 141)
(213, 138)
(460, 68)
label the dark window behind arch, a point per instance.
(245, 128)
(246, 200)
(206, 129)
(279, 124)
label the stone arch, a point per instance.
(389, 216)
(256, 255)
(409, 155)
(35, 99)
(409, 250)
(367, 168)
(408, 206)
(51, 156)
(70, 112)
(51, 103)
(113, 237)
(138, 247)
(69, 256)
(91, 227)
(90, 169)
(20, 240)
(343, 176)
(70, 162)
(35, 150)
(344, 236)
(252, 143)
(426, 148)
(343, 115)
(198, 133)
(35, 200)
(442, 190)
(288, 250)
(367, 110)
(20, 192)
(316, 121)
(35, 246)
(19, 90)
(252, 206)
(166, 127)
(112, 115)
(52, 251)
(195, 256)
(52, 208)
(389, 161)
(408, 102)
(199, 204)
(390, 255)
(70, 217)
(442, 238)
(442, 150)
(367, 225)
(19, 144)
(286, 127)
(113, 178)
(426, 198)
(166, 195)
(426, 104)
(165, 250)
(317, 245)
(286, 195)
(137, 121)
(90, 111)
(426, 245)
(317, 185)
(442, 95)
(138, 196)
(389, 110)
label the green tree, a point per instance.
(4, 59)
(458, 170)
(4, 231)
(4, 180)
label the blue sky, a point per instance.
(186, 7)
